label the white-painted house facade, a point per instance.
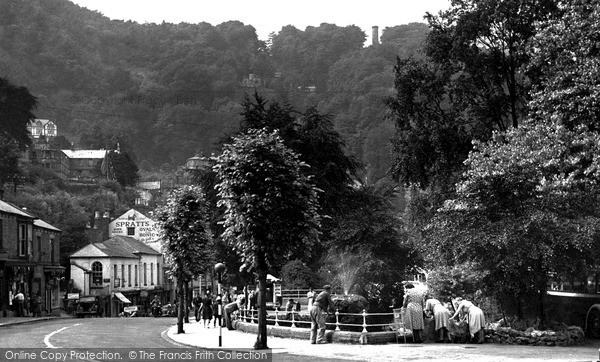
(121, 271)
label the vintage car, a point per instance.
(134, 311)
(87, 306)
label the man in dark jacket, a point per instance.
(322, 305)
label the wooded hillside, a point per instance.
(168, 91)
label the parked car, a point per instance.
(87, 306)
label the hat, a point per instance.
(327, 286)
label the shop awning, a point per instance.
(122, 297)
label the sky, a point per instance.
(268, 16)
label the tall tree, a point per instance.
(271, 206)
(188, 240)
(484, 43)
(471, 84)
(16, 106)
(527, 207)
(566, 56)
(527, 204)
(16, 111)
(120, 167)
(311, 135)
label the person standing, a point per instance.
(323, 304)
(413, 305)
(475, 318)
(197, 303)
(289, 308)
(441, 315)
(38, 305)
(19, 300)
(33, 305)
(27, 305)
(217, 310)
(206, 309)
(311, 298)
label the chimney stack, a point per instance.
(375, 35)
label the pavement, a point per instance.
(6, 321)
(197, 336)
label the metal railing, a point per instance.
(251, 316)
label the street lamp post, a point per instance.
(220, 268)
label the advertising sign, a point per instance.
(134, 224)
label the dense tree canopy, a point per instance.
(471, 83)
(566, 57)
(527, 207)
(311, 135)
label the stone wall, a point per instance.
(570, 336)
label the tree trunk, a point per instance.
(186, 316)
(261, 338)
(181, 305)
(542, 285)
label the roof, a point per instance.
(130, 244)
(9, 208)
(131, 214)
(115, 250)
(149, 185)
(42, 122)
(116, 247)
(42, 224)
(98, 154)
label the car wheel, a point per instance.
(593, 323)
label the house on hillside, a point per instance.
(29, 260)
(147, 191)
(42, 154)
(85, 165)
(121, 271)
(39, 128)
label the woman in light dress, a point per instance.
(413, 306)
(441, 315)
(475, 318)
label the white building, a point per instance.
(42, 128)
(121, 271)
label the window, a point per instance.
(22, 239)
(151, 273)
(52, 249)
(130, 231)
(97, 274)
(129, 275)
(123, 275)
(145, 275)
(39, 245)
(30, 241)
(1, 236)
(136, 276)
(157, 273)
